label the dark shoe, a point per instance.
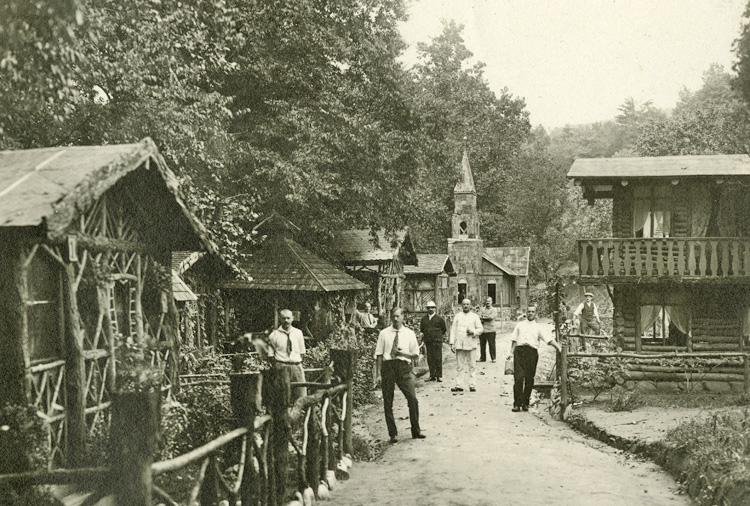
(482, 360)
(525, 407)
(419, 436)
(438, 380)
(472, 389)
(430, 379)
(516, 409)
(457, 389)
(394, 440)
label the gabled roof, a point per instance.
(180, 291)
(428, 263)
(466, 183)
(283, 265)
(183, 260)
(360, 247)
(513, 259)
(51, 187)
(661, 166)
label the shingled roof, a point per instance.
(661, 166)
(50, 188)
(360, 247)
(181, 291)
(282, 264)
(514, 259)
(428, 263)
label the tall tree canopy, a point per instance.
(454, 108)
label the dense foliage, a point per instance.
(717, 452)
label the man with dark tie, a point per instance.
(433, 330)
(286, 347)
(396, 348)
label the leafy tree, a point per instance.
(454, 109)
(37, 55)
(713, 120)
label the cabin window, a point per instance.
(663, 325)
(124, 302)
(462, 290)
(44, 312)
(492, 290)
(652, 214)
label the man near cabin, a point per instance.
(286, 347)
(395, 350)
(523, 348)
(465, 332)
(586, 317)
(364, 318)
(487, 315)
(433, 330)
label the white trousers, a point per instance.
(466, 359)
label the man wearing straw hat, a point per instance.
(586, 317)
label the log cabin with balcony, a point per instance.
(678, 261)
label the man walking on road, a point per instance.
(487, 315)
(396, 348)
(464, 332)
(433, 330)
(523, 348)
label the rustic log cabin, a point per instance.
(86, 235)
(377, 260)
(678, 261)
(285, 275)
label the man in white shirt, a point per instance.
(397, 346)
(487, 315)
(465, 331)
(523, 349)
(286, 347)
(364, 318)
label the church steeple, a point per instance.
(465, 217)
(466, 183)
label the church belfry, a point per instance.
(465, 219)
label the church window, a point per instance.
(463, 228)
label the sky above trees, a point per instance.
(574, 61)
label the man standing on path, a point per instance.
(396, 348)
(286, 349)
(433, 330)
(487, 315)
(586, 317)
(464, 332)
(523, 348)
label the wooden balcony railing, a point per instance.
(679, 257)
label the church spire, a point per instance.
(466, 182)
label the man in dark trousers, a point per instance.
(523, 348)
(433, 330)
(586, 316)
(396, 348)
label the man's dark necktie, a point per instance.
(394, 349)
(289, 344)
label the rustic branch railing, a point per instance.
(259, 445)
(684, 257)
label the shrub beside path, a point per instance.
(478, 452)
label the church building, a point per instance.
(500, 273)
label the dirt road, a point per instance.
(478, 452)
